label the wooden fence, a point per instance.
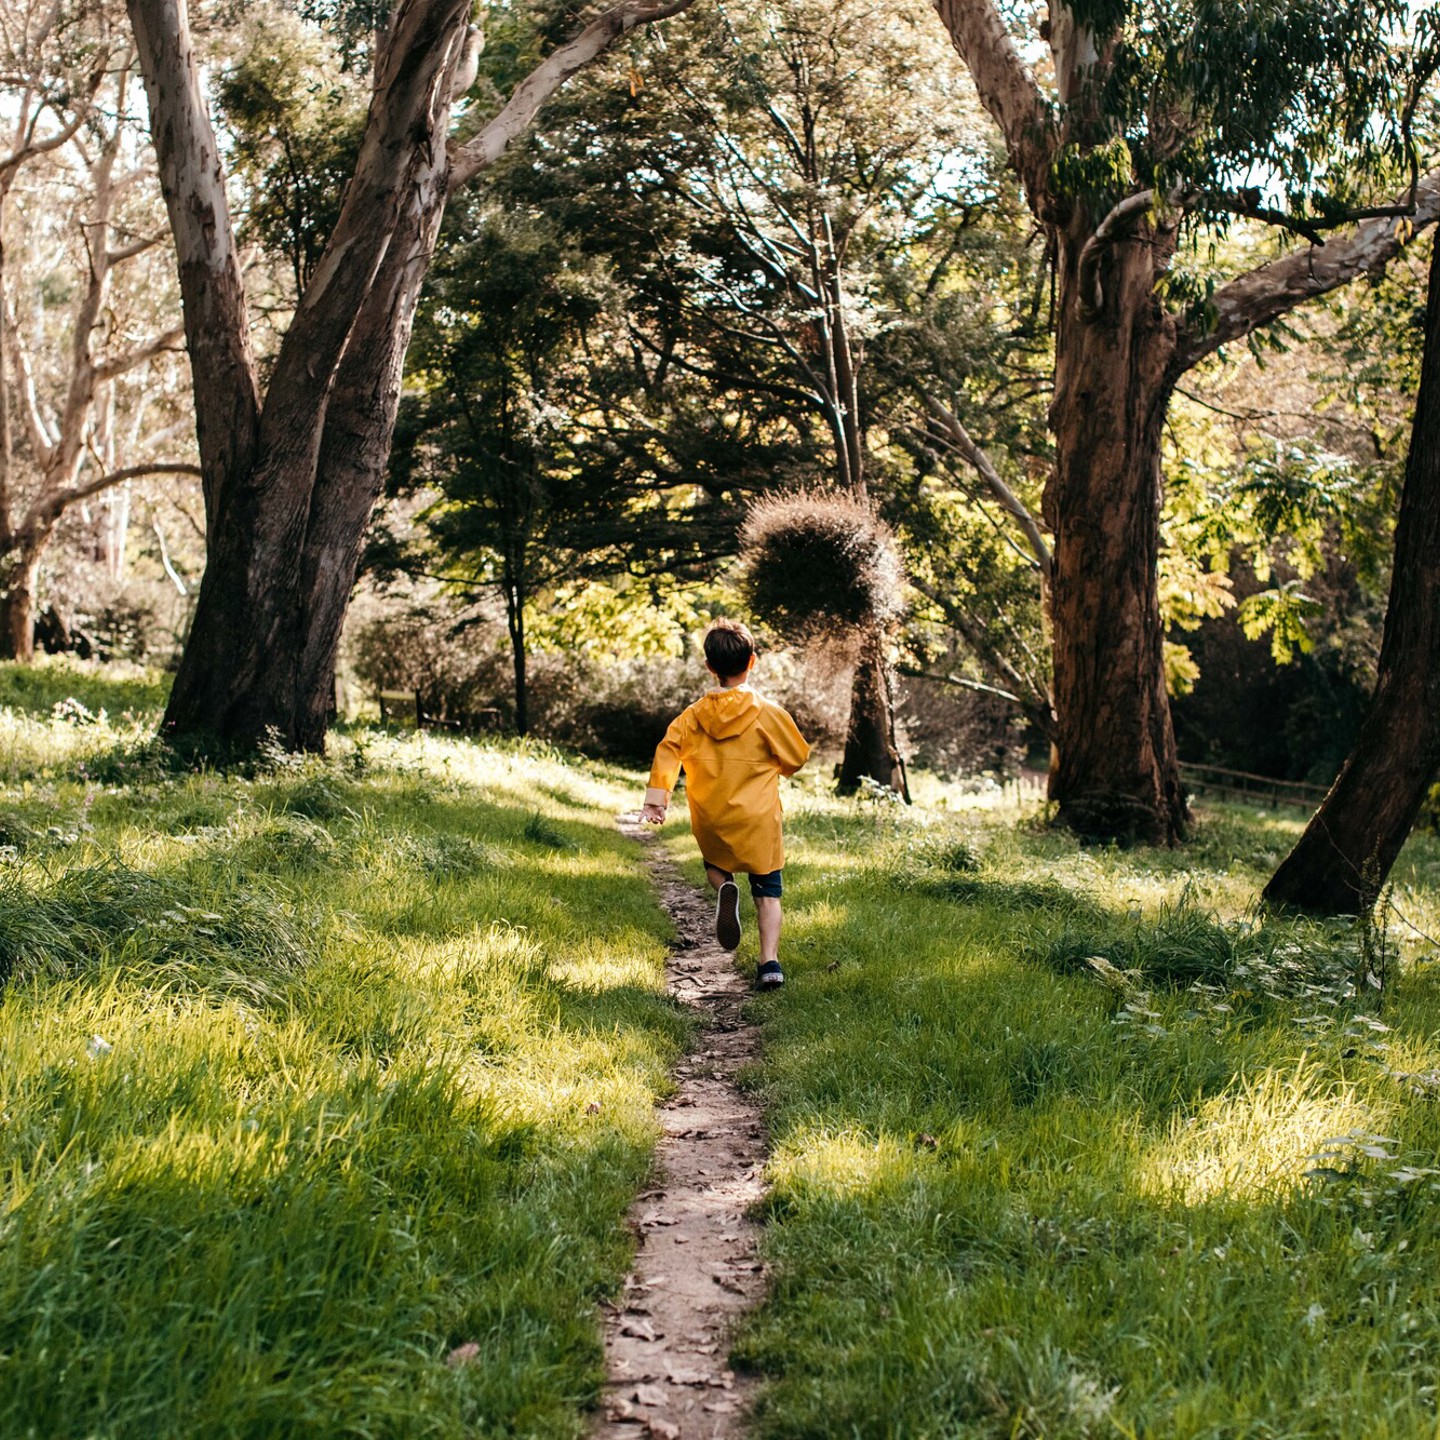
(1218, 780)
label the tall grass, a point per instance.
(312, 1078)
(1067, 1144)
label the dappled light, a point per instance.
(1261, 1140)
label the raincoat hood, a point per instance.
(725, 713)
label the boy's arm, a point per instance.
(665, 770)
(788, 745)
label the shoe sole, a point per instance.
(727, 916)
(769, 982)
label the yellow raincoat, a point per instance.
(734, 747)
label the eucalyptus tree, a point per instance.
(1156, 125)
(78, 288)
(291, 468)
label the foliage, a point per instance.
(1201, 98)
(295, 123)
(818, 563)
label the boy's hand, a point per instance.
(652, 814)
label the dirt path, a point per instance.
(696, 1269)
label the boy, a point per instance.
(734, 747)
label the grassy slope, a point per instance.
(380, 1045)
(1012, 1199)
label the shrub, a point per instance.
(819, 563)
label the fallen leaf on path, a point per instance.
(720, 1407)
(639, 1330)
(663, 1429)
(649, 1395)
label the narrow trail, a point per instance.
(697, 1268)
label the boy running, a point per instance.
(734, 748)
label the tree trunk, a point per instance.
(1118, 774)
(281, 539)
(870, 750)
(359, 428)
(1349, 847)
(515, 622)
(870, 742)
(17, 631)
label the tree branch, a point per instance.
(217, 327)
(123, 364)
(1272, 290)
(59, 500)
(1007, 90)
(468, 160)
(42, 441)
(961, 439)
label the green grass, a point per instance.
(309, 1079)
(1042, 1121)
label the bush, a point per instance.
(819, 563)
(453, 659)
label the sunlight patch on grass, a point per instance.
(1256, 1140)
(812, 1164)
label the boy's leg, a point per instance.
(767, 920)
(766, 891)
(727, 906)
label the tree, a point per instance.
(74, 168)
(752, 191)
(488, 427)
(1339, 864)
(1158, 121)
(291, 474)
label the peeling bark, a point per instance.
(1118, 772)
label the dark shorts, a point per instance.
(762, 887)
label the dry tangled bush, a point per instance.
(819, 563)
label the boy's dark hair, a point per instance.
(728, 648)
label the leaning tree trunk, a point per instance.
(1349, 847)
(1117, 773)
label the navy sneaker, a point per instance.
(769, 976)
(727, 916)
